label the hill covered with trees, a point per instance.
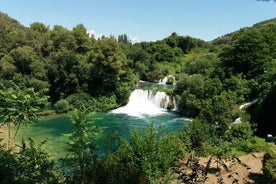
(70, 68)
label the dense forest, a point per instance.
(43, 67)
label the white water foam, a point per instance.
(145, 102)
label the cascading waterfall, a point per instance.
(165, 79)
(143, 102)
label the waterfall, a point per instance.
(165, 79)
(248, 103)
(143, 102)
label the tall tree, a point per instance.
(19, 106)
(107, 66)
(83, 42)
(80, 165)
(247, 54)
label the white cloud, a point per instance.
(134, 39)
(94, 34)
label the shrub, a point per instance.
(80, 100)
(239, 131)
(269, 166)
(254, 144)
(99, 104)
(62, 106)
(145, 158)
(170, 80)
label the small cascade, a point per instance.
(247, 104)
(174, 104)
(165, 79)
(145, 102)
(238, 120)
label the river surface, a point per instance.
(122, 124)
(143, 108)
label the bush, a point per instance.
(170, 80)
(269, 166)
(145, 158)
(99, 104)
(239, 131)
(62, 106)
(254, 144)
(80, 100)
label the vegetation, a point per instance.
(79, 72)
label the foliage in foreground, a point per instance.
(31, 164)
(18, 106)
(269, 165)
(146, 157)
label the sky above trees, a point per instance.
(144, 20)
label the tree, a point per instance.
(63, 72)
(83, 42)
(7, 68)
(217, 111)
(80, 164)
(239, 132)
(146, 157)
(62, 38)
(266, 117)
(124, 39)
(247, 54)
(19, 106)
(23, 57)
(107, 67)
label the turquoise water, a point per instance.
(143, 108)
(123, 123)
(118, 125)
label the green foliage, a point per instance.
(146, 157)
(19, 106)
(170, 80)
(30, 165)
(253, 144)
(8, 166)
(217, 111)
(241, 131)
(247, 54)
(83, 42)
(124, 39)
(80, 100)
(100, 74)
(79, 165)
(99, 104)
(269, 165)
(7, 68)
(62, 106)
(203, 63)
(35, 166)
(199, 133)
(107, 67)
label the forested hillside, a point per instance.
(71, 69)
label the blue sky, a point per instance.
(144, 20)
